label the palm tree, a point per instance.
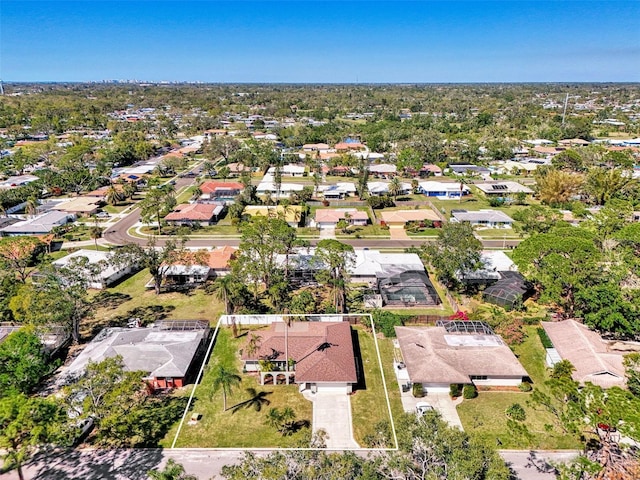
(129, 189)
(95, 233)
(223, 290)
(287, 421)
(31, 207)
(253, 345)
(226, 379)
(113, 196)
(395, 187)
(273, 418)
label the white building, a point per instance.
(96, 266)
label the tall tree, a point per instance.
(557, 187)
(337, 257)
(225, 379)
(455, 252)
(23, 362)
(19, 254)
(27, 424)
(157, 203)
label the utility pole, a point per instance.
(564, 111)
(1, 88)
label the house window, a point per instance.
(478, 377)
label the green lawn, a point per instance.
(369, 405)
(185, 195)
(241, 428)
(138, 301)
(498, 233)
(485, 415)
(368, 231)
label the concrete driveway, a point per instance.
(332, 413)
(397, 232)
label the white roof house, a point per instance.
(39, 225)
(370, 263)
(382, 188)
(502, 188)
(383, 169)
(483, 218)
(99, 270)
(289, 170)
(444, 190)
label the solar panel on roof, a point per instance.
(499, 187)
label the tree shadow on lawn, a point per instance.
(147, 314)
(256, 401)
(132, 464)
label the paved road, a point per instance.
(133, 464)
(534, 465)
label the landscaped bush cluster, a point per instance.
(385, 321)
(469, 391)
(516, 412)
(525, 387)
(454, 390)
(418, 391)
(544, 338)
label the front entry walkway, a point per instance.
(332, 413)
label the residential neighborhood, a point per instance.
(267, 275)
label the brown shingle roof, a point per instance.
(588, 353)
(333, 363)
(192, 211)
(431, 359)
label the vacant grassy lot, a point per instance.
(485, 415)
(239, 427)
(130, 298)
(369, 405)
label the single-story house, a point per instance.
(502, 189)
(493, 262)
(573, 142)
(96, 266)
(429, 169)
(197, 266)
(39, 225)
(227, 190)
(202, 214)
(329, 217)
(383, 170)
(594, 359)
(371, 265)
(315, 147)
(444, 190)
(237, 169)
(508, 167)
(338, 191)
(169, 352)
(382, 188)
(402, 217)
(80, 206)
(292, 213)
(267, 186)
(349, 146)
(322, 353)
(457, 352)
(467, 169)
(483, 218)
(290, 170)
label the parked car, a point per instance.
(422, 408)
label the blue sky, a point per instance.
(310, 41)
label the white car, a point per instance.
(422, 408)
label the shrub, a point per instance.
(418, 392)
(454, 390)
(525, 387)
(516, 412)
(469, 392)
(385, 321)
(544, 338)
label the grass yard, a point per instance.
(498, 233)
(369, 406)
(485, 415)
(242, 427)
(368, 231)
(130, 298)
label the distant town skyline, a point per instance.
(320, 42)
